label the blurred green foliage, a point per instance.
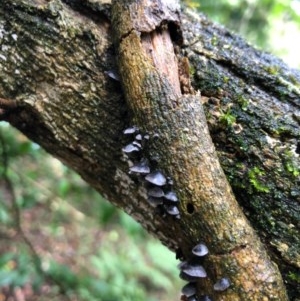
(101, 254)
(272, 25)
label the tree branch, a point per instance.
(208, 209)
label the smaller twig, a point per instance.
(5, 236)
(17, 218)
(7, 104)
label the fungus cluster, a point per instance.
(192, 270)
(160, 193)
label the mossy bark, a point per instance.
(55, 60)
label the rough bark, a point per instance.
(56, 58)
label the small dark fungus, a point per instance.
(222, 284)
(172, 210)
(187, 277)
(135, 143)
(141, 168)
(130, 148)
(154, 202)
(170, 181)
(171, 196)
(130, 130)
(113, 74)
(189, 289)
(187, 263)
(139, 137)
(195, 270)
(156, 192)
(200, 250)
(156, 178)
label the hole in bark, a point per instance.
(175, 33)
(190, 208)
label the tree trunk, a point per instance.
(58, 68)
